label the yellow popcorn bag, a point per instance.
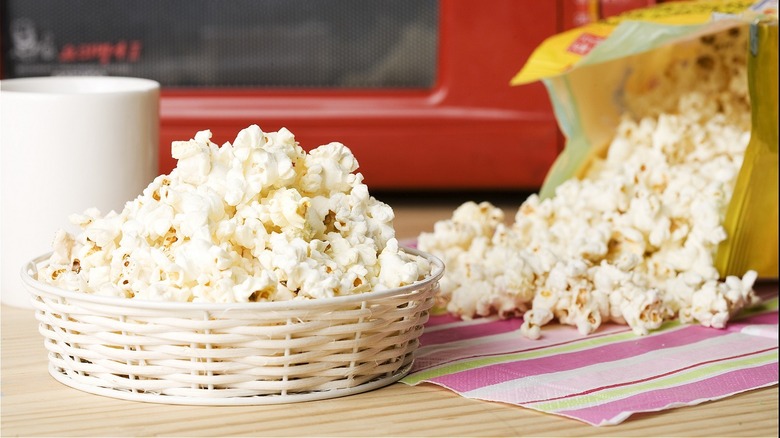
(637, 63)
(751, 219)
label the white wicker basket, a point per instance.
(231, 354)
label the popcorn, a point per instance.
(633, 241)
(256, 220)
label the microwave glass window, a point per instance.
(229, 43)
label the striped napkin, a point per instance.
(603, 378)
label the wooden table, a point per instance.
(34, 404)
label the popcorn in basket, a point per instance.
(253, 273)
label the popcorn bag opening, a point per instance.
(688, 59)
(632, 216)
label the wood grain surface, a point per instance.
(34, 404)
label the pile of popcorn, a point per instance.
(633, 242)
(256, 220)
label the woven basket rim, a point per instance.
(29, 270)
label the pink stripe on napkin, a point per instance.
(689, 394)
(463, 332)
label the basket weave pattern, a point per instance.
(248, 353)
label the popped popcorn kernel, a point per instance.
(256, 220)
(633, 241)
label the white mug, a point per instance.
(68, 144)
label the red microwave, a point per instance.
(417, 89)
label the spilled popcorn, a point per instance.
(256, 220)
(633, 242)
